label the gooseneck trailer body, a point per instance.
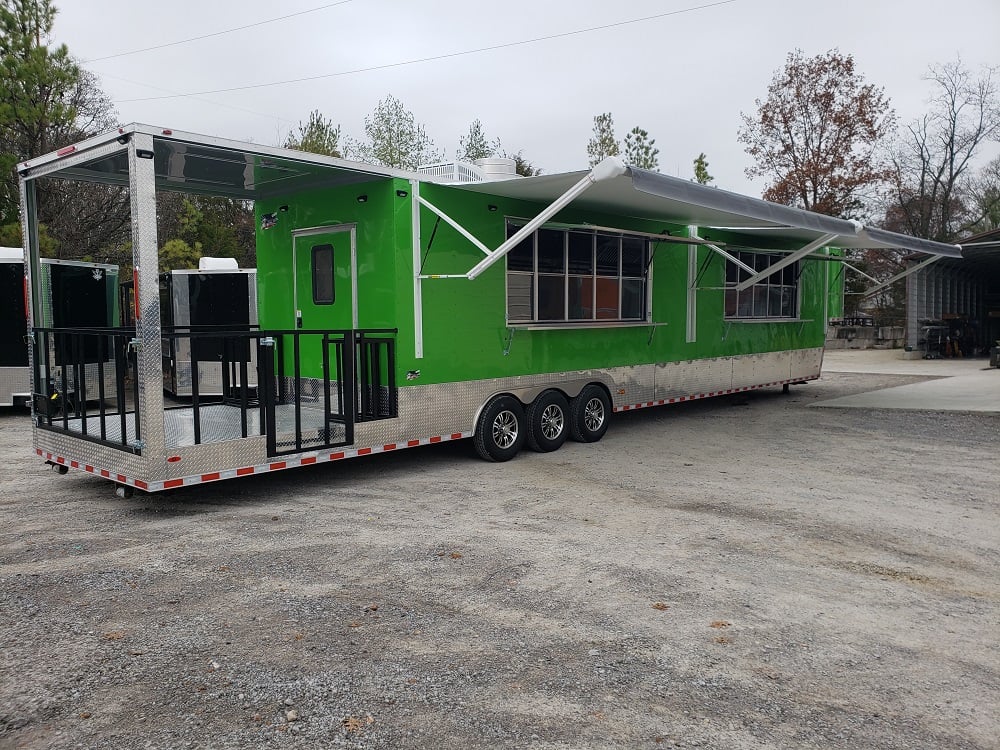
(397, 310)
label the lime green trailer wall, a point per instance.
(466, 335)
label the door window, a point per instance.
(323, 292)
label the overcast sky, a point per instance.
(684, 77)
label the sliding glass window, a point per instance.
(576, 275)
(775, 296)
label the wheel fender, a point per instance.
(482, 406)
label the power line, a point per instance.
(206, 101)
(217, 33)
(446, 56)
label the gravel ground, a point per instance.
(733, 573)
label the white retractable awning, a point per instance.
(641, 193)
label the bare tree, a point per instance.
(88, 220)
(818, 135)
(933, 185)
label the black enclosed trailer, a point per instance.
(81, 370)
(15, 377)
(218, 296)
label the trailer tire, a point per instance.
(500, 432)
(547, 422)
(589, 413)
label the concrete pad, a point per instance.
(891, 362)
(967, 385)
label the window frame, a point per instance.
(571, 309)
(314, 253)
(757, 302)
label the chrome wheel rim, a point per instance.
(593, 414)
(505, 429)
(552, 422)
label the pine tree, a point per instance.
(639, 149)
(603, 143)
(395, 139)
(474, 145)
(318, 136)
(701, 175)
(36, 80)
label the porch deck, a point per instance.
(218, 422)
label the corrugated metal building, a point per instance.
(953, 304)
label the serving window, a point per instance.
(773, 297)
(569, 275)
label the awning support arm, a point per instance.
(786, 261)
(610, 167)
(858, 271)
(454, 224)
(903, 274)
(728, 256)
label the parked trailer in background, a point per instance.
(217, 296)
(15, 377)
(396, 310)
(72, 294)
(75, 370)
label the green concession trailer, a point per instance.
(397, 309)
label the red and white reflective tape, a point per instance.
(215, 476)
(710, 394)
(340, 455)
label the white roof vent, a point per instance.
(482, 170)
(207, 263)
(497, 168)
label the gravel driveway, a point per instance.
(745, 573)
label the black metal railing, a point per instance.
(230, 348)
(303, 390)
(228, 353)
(83, 382)
(352, 388)
(376, 366)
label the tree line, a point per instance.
(828, 141)
(395, 139)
